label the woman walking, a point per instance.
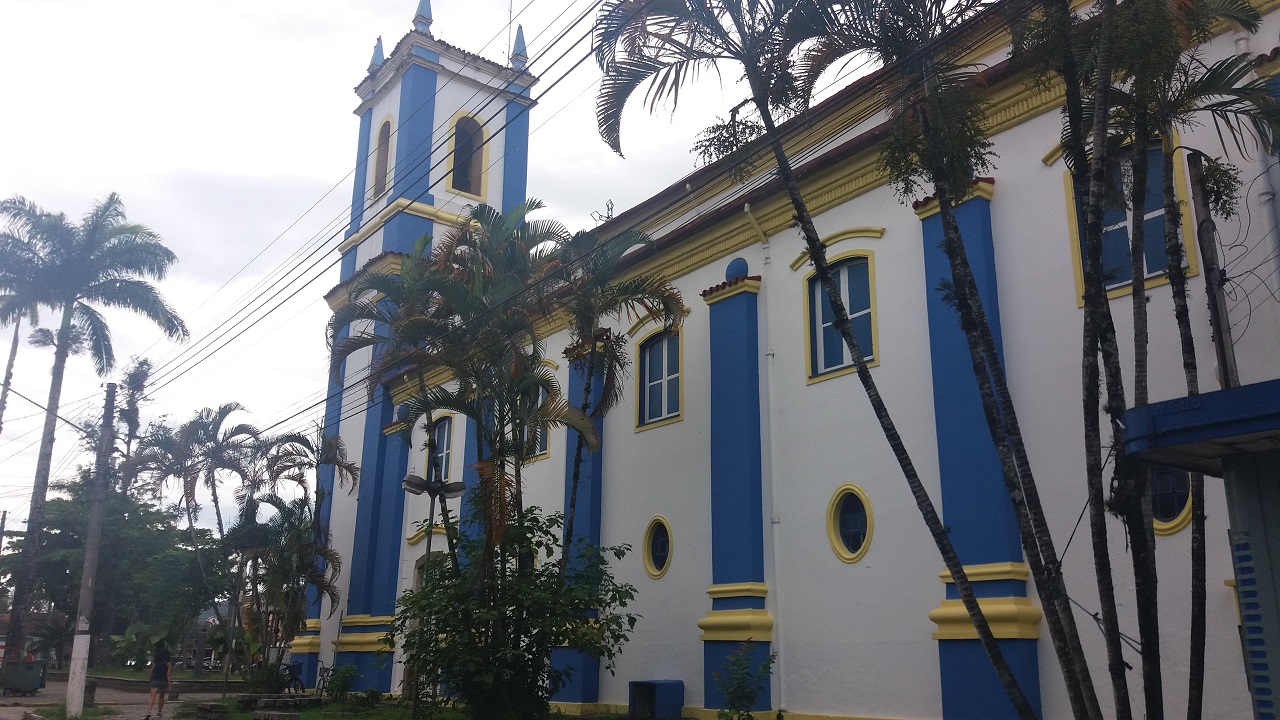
(161, 676)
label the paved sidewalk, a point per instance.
(131, 705)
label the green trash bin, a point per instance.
(23, 678)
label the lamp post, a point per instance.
(434, 487)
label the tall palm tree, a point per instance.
(224, 448)
(104, 260)
(591, 291)
(666, 42)
(17, 268)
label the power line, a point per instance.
(168, 366)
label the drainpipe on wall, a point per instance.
(775, 520)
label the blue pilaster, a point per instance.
(305, 649)
(375, 554)
(362, 172)
(386, 574)
(975, 501)
(584, 671)
(515, 155)
(738, 615)
(413, 157)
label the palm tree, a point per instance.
(17, 267)
(592, 291)
(224, 448)
(665, 43)
(101, 261)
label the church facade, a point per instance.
(745, 466)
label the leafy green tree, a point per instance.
(148, 574)
(101, 261)
(487, 642)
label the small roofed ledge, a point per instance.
(1198, 432)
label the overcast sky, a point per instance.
(227, 126)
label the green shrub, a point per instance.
(741, 684)
(484, 631)
(341, 680)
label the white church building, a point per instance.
(746, 467)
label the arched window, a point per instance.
(442, 435)
(467, 139)
(827, 351)
(659, 378)
(381, 159)
(1170, 499)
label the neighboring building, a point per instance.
(746, 467)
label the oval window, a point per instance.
(1170, 499)
(657, 547)
(849, 523)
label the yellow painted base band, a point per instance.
(700, 713)
(737, 625)
(991, 571)
(1009, 618)
(313, 624)
(728, 590)
(575, 709)
(362, 620)
(362, 642)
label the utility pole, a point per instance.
(97, 495)
(4, 520)
(1223, 346)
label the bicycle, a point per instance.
(322, 677)
(292, 675)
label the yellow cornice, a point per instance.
(367, 620)
(729, 590)
(421, 534)
(386, 264)
(394, 427)
(737, 625)
(313, 624)
(731, 289)
(1009, 617)
(983, 188)
(858, 232)
(305, 644)
(404, 205)
(991, 571)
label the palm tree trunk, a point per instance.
(212, 481)
(1138, 255)
(1182, 316)
(1199, 602)
(8, 369)
(1097, 324)
(817, 255)
(15, 647)
(571, 512)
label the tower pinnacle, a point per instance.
(519, 56)
(422, 20)
(376, 61)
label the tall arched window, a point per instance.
(381, 159)
(467, 139)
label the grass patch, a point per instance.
(59, 712)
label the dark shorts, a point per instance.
(162, 684)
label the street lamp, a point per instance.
(433, 486)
